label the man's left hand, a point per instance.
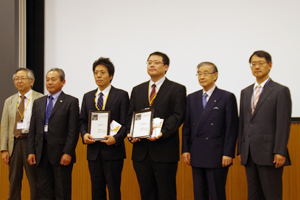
(279, 160)
(155, 138)
(65, 159)
(110, 140)
(226, 160)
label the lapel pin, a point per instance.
(215, 100)
(60, 101)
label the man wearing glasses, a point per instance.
(209, 135)
(14, 132)
(155, 158)
(265, 117)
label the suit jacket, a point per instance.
(210, 133)
(63, 130)
(9, 121)
(117, 103)
(169, 105)
(266, 132)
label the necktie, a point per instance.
(204, 100)
(48, 113)
(256, 97)
(100, 101)
(20, 112)
(152, 94)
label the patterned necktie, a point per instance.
(100, 101)
(20, 112)
(256, 97)
(204, 100)
(152, 94)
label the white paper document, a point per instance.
(114, 128)
(156, 126)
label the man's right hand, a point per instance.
(31, 159)
(5, 157)
(186, 158)
(88, 139)
(132, 140)
(240, 158)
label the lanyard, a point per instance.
(18, 104)
(151, 100)
(103, 103)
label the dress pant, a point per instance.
(209, 183)
(53, 181)
(157, 180)
(105, 172)
(264, 182)
(17, 161)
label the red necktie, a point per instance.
(152, 94)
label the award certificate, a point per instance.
(99, 124)
(141, 124)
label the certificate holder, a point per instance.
(141, 124)
(99, 124)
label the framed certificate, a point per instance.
(99, 124)
(141, 124)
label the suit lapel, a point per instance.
(43, 108)
(58, 103)
(110, 98)
(162, 91)
(248, 100)
(13, 106)
(213, 100)
(265, 93)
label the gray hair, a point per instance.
(29, 73)
(214, 67)
(60, 71)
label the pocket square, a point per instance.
(216, 108)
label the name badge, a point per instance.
(46, 128)
(20, 125)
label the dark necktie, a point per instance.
(152, 94)
(100, 101)
(20, 112)
(204, 100)
(48, 113)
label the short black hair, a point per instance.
(262, 54)
(166, 59)
(107, 63)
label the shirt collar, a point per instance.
(158, 83)
(56, 95)
(262, 84)
(27, 95)
(210, 91)
(105, 91)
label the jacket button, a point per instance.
(212, 124)
(206, 138)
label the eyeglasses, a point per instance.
(205, 74)
(154, 63)
(20, 79)
(260, 64)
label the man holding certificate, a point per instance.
(155, 158)
(105, 152)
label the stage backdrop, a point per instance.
(224, 32)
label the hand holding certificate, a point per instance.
(141, 124)
(99, 124)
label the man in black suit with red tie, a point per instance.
(105, 157)
(265, 118)
(52, 139)
(155, 159)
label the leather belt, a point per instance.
(23, 136)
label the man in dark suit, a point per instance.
(53, 137)
(265, 116)
(209, 134)
(155, 158)
(14, 132)
(105, 157)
